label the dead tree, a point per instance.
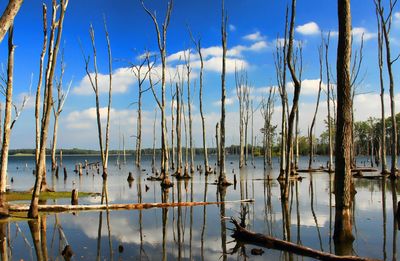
(173, 95)
(140, 77)
(57, 109)
(297, 86)
(153, 159)
(267, 110)
(222, 181)
(310, 135)
(329, 91)
(7, 18)
(280, 69)
(386, 26)
(241, 93)
(95, 86)
(246, 122)
(198, 49)
(382, 94)
(188, 71)
(8, 111)
(217, 143)
(162, 46)
(47, 103)
(343, 219)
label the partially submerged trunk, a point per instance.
(343, 178)
(50, 70)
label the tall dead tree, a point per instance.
(297, 86)
(329, 94)
(8, 110)
(188, 71)
(57, 109)
(382, 94)
(173, 94)
(140, 77)
(280, 70)
(222, 181)
(218, 147)
(95, 86)
(178, 130)
(267, 110)
(246, 123)
(162, 46)
(47, 103)
(386, 26)
(241, 93)
(310, 135)
(343, 178)
(7, 18)
(198, 49)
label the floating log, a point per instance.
(66, 208)
(246, 236)
(364, 169)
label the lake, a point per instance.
(199, 233)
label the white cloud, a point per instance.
(228, 101)
(122, 79)
(255, 37)
(359, 32)
(309, 87)
(310, 28)
(232, 28)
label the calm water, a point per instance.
(199, 233)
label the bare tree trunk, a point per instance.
(252, 133)
(188, 71)
(153, 161)
(296, 159)
(383, 122)
(222, 181)
(7, 116)
(385, 27)
(217, 143)
(39, 86)
(61, 97)
(343, 216)
(162, 44)
(328, 100)
(246, 123)
(172, 130)
(41, 164)
(310, 135)
(137, 70)
(297, 87)
(7, 18)
(203, 125)
(240, 79)
(178, 130)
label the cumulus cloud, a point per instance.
(255, 37)
(122, 79)
(309, 87)
(310, 28)
(232, 28)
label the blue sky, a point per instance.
(254, 26)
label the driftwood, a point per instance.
(246, 236)
(364, 169)
(66, 208)
(310, 170)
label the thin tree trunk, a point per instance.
(328, 100)
(41, 165)
(222, 181)
(188, 71)
(386, 26)
(153, 161)
(382, 94)
(311, 143)
(217, 143)
(178, 130)
(8, 110)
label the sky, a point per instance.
(253, 27)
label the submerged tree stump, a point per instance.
(74, 197)
(65, 173)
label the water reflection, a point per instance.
(201, 232)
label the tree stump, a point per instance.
(65, 173)
(74, 197)
(56, 173)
